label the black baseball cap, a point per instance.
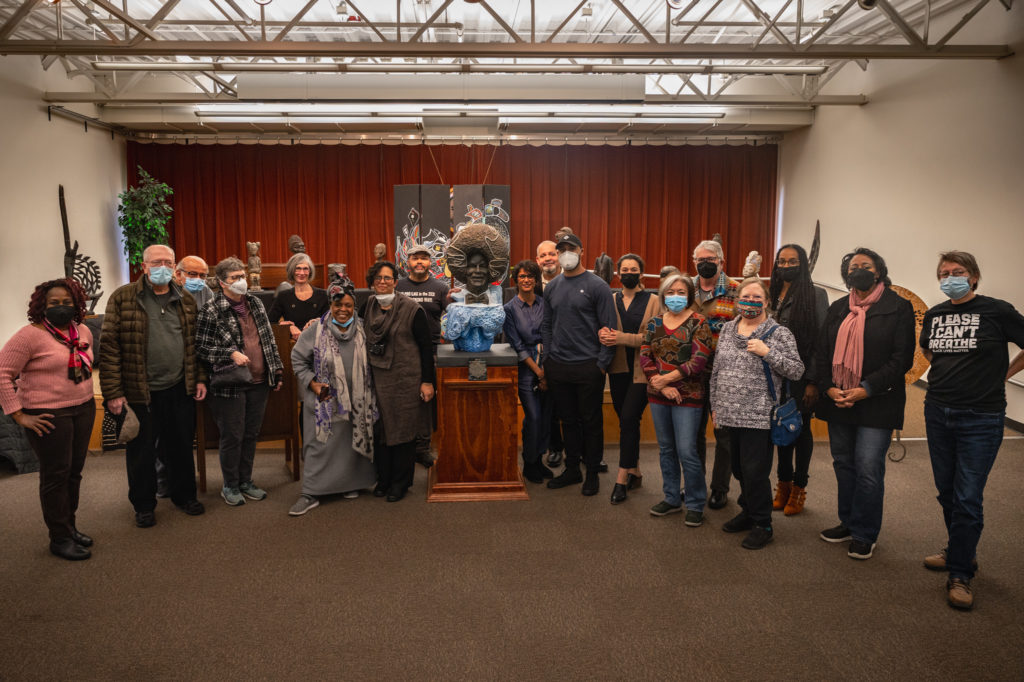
(568, 239)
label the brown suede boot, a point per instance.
(782, 491)
(795, 504)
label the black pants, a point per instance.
(578, 390)
(395, 464)
(552, 434)
(804, 448)
(722, 468)
(239, 419)
(752, 466)
(630, 401)
(61, 454)
(168, 423)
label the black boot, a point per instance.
(570, 476)
(69, 549)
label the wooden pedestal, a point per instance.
(478, 430)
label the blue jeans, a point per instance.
(963, 445)
(534, 439)
(858, 457)
(676, 428)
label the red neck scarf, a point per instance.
(79, 364)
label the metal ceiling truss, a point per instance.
(694, 55)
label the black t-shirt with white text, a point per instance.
(969, 354)
(432, 295)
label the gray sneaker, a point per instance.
(694, 518)
(252, 492)
(232, 496)
(303, 505)
(663, 508)
(351, 495)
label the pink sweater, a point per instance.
(37, 364)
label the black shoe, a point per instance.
(379, 491)
(619, 493)
(192, 507)
(145, 519)
(861, 550)
(634, 481)
(554, 458)
(838, 534)
(81, 538)
(758, 537)
(592, 485)
(718, 500)
(426, 459)
(602, 468)
(567, 477)
(544, 471)
(738, 523)
(69, 549)
(531, 473)
(395, 494)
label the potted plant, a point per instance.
(143, 215)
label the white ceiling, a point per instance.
(516, 70)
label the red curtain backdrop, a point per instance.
(654, 201)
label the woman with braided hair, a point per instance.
(800, 307)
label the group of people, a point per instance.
(702, 348)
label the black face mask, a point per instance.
(707, 270)
(860, 279)
(630, 280)
(60, 316)
(789, 274)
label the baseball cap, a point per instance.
(566, 239)
(418, 248)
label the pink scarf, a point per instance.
(848, 359)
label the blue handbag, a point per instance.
(786, 420)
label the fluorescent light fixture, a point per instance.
(635, 120)
(411, 109)
(244, 117)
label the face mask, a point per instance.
(385, 299)
(343, 325)
(707, 270)
(860, 279)
(160, 275)
(955, 287)
(194, 284)
(630, 280)
(59, 315)
(239, 288)
(569, 260)
(749, 309)
(789, 274)
(675, 303)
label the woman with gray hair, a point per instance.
(303, 303)
(233, 330)
(674, 352)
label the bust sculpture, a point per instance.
(477, 256)
(296, 245)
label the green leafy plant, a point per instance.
(143, 215)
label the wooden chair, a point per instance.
(280, 421)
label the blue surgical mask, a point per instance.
(955, 287)
(194, 284)
(343, 325)
(160, 275)
(675, 303)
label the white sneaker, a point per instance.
(351, 495)
(303, 505)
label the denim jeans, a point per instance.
(676, 428)
(858, 457)
(533, 415)
(963, 445)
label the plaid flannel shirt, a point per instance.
(218, 335)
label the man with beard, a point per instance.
(432, 295)
(716, 296)
(577, 305)
(547, 259)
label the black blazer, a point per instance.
(888, 356)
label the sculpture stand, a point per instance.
(478, 428)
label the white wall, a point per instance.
(935, 161)
(37, 156)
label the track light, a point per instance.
(867, 4)
(675, 4)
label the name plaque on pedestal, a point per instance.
(478, 428)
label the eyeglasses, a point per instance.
(707, 259)
(383, 278)
(959, 272)
(235, 278)
(783, 263)
(194, 274)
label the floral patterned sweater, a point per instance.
(685, 348)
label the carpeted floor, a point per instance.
(561, 587)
